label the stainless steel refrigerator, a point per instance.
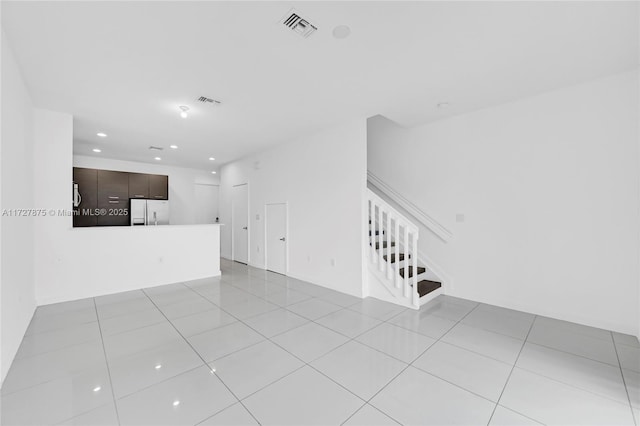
(149, 212)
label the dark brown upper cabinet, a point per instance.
(113, 196)
(105, 195)
(138, 185)
(87, 181)
(158, 187)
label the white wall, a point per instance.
(549, 189)
(182, 194)
(74, 263)
(322, 177)
(17, 291)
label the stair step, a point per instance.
(384, 245)
(421, 270)
(426, 286)
(400, 257)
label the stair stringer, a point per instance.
(379, 289)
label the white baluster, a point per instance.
(406, 263)
(380, 249)
(398, 278)
(416, 295)
(372, 228)
(372, 220)
(388, 234)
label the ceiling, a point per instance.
(123, 68)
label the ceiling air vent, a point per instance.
(155, 148)
(206, 100)
(298, 24)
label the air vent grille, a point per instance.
(298, 24)
(155, 148)
(206, 100)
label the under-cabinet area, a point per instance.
(104, 198)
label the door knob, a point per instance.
(245, 228)
(282, 239)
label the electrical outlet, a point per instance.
(258, 249)
(257, 216)
(460, 217)
(333, 262)
(160, 259)
(308, 258)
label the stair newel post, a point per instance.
(414, 264)
(396, 236)
(380, 238)
(388, 234)
(407, 252)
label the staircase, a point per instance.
(396, 273)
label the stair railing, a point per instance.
(387, 224)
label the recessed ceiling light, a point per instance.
(341, 31)
(176, 403)
(158, 158)
(97, 388)
(213, 370)
(158, 367)
(183, 111)
(213, 172)
(102, 135)
(211, 158)
(173, 146)
(443, 105)
(97, 150)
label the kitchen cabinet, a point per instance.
(113, 198)
(158, 187)
(105, 195)
(138, 185)
(87, 181)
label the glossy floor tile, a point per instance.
(305, 397)
(253, 347)
(397, 342)
(362, 370)
(255, 367)
(418, 398)
(550, 402)
(370, 416)
(478, 373)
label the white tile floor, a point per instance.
(252, 347)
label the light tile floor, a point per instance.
(253, 347)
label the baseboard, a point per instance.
(161, 283)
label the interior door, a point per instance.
(240, 223)
(206, 203)
(276, 222)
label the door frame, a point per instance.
(233, 251)
(286, 236)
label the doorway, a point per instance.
(240, 223)
(206, 203)
(276, 238)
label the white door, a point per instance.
(240, 223)
(206, 203)
(276, 222)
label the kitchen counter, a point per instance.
(92, 261)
